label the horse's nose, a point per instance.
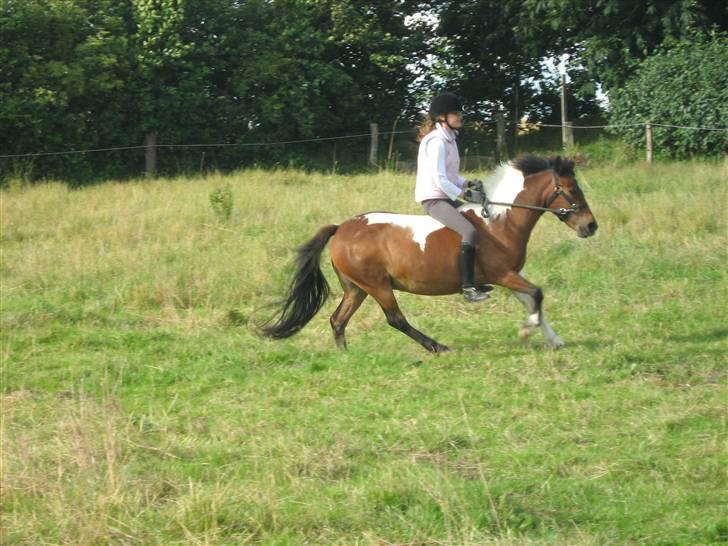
(592, 227)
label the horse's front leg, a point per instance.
(531, 297)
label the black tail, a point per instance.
(308, 290)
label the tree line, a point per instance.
(87, 74)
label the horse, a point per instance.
(376, 253)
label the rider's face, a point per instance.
(454, 120)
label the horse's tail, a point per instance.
(308, 290)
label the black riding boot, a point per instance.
(467, 274)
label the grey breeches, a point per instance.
(445, 211)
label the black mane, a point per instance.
(530, 164)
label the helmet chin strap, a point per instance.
(448, 125)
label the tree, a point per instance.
(61, 67)
(494, 49)
(611, 37)
(331, 66)
(78, 74)
(491, 65)
(685, 85)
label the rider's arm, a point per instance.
(436, 163)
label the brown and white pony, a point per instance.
(376, 253)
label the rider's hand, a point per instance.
(473, 196)
(473, 185)
(473, 192)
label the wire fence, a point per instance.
(204, 145)
(615, 126)
(483, 145)
(332, 138)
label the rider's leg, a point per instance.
(444, 211)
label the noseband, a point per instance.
(561, 212)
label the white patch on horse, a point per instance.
(503, 186)
(475, 208)
(419, 224)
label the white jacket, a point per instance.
(438, 163)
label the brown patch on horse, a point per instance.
(386, 253)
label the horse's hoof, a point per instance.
(557, 343)
(524, 333)
(440, 349)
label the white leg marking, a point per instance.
(533, 318)
(536, 319)
(555, 342)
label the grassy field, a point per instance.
(138, 407)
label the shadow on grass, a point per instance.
(592, 343)
(706, 336)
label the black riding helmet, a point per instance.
(445, 103)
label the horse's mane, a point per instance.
(530, 164)
(506, 182)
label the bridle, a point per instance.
(562, 212)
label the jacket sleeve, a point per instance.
(436, 164)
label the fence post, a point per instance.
(568, 135)
(374, 143)
(566, 132)
(648, 137)
(500, 129)
(150, 157)
(390, 152)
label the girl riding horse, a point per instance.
(439, 184)
(377, 253)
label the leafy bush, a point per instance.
(685, 85)
(221, 201)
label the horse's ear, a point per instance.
(567, 167)
(556, 163)
(563, 166)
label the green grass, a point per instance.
(139, 408)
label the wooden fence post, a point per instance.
(500, 129)
(648, 137)
(390, 152)
(150, 158)
(374, 143)
(568, 135)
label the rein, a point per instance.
(561, 212)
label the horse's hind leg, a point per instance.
(353, 298)
(395, 318)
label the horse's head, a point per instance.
(567, 200)
(560, 192)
